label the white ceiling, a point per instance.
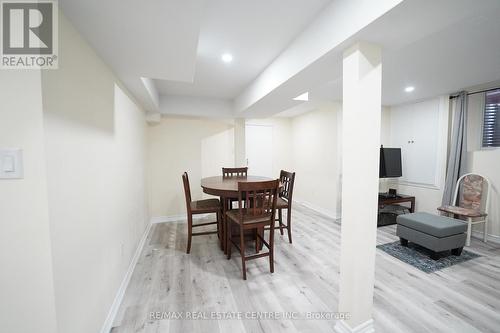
(437, 46)
(254, 32)
(153, 38)
(455, 45)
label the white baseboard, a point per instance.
(176, 218)
(171, 218)
(182, 217)
(317, 209)
(489, 237)
(342, 327)
(108, 323)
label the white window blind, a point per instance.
(491, 120)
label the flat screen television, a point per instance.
(390, 163)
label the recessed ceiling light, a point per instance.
(227, 57)
(304, 97)
(409, 89)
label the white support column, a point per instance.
(239, 142)
(362, 90)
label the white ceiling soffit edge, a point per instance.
(196, 106)
(135, 38)
(338, 22)
(152, 91)
(137, 87)
(298, 110)
(153, 118)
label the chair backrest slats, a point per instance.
(234, 172)
(287, 180)
(258, 198)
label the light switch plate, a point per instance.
(11, 163)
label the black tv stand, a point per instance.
(385, 195)
(401, 198)
(385, 199)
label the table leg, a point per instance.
(221, 227)
(224, 239)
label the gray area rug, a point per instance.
(419, 257)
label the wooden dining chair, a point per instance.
(234, 172)
(284, 201)
(201, 207)
(256, 210)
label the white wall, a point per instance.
(315, 158)
(385, 140)
(487, 163)
(200, 146)
(484, 161)
(95, 146)
(306, 144)
(475, 122)
(385, 126)
(282, 148)
(195, 106)
(239, 142)
(26, 286)
(428, 196)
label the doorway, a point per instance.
(259, 149)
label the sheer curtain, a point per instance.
(457, 160)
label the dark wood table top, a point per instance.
(227, 187)
(400, 198)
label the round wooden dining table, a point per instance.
(226, 188)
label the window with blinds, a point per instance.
(491, 119)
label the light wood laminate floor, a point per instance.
(461, 298)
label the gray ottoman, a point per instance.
(437, 233)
